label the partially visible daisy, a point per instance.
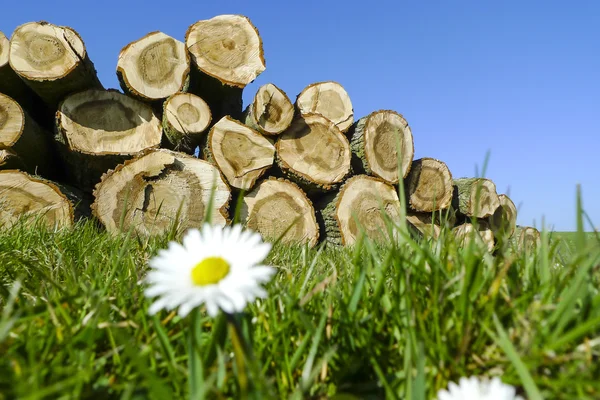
(474, 388)
(216, 266)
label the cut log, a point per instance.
(25, 196)
(271, 112)
(227, 54)
(504, 219)
(52, 60)
(158, 188)
(527, 238)
(483, 235)
(241, 154)
(185, 120)
(314, 153)
(429, 185)
(277, 206)
(330, 100)
(359, 208)
(475, 197)
(374, 144)
(23, 143)
(99, 129)
(154, 67)
(431, 224)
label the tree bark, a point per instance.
(374, 144)
(271, 112)
(314, 153)
(186, 118)
(475, 197)
(429, 185)
(483, 235)
(241, 154)
(227, 54)
(99, 129)
(159, 188)
(25, 196)
(52, 61)
(330, 100)
(24, 144)
(278, 208)
(359, 208)
(504, 219)
(154, 67)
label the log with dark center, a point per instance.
(482, 235)
(279, 209)
(375, 142)
(154, 67)
(99, 129)
(52, 60)
(185, 120)
(160, 188)
(328, 99)
(271, 111)
(359, 208)
(475, 197)
(314, 153)
(429, 185)
(241, 154)
(24, 144)
(504, 219)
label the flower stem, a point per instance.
(196, 372)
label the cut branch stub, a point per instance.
(330, 100)
(374, 143)
(52, 60)
(242, 154)
(157, 189)
(98, 129)
(185, 119)
(23, 143)
(277, 206)
(475, 197)
(154, 67)
(228, 48)
(314, 153)
(271, 112)
(358, 208)
(483, 235)
(504, 219)
(26, 196)
(429, 185)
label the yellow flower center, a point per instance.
(210, 271)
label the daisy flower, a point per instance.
(474, 388)
(215, 266)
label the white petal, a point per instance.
(192, 239)
(225, 304)
(211, 307)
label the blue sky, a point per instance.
(520, 79)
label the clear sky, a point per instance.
(520, 79)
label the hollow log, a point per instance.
(374, 143)
(429, 185)
(158, 188)
(504, 220)
(52, 60)
(483, 235)
(314, 153)
(154, 67)
(227, 54)
(99, 129)
(278, 206)
(271, 112)
(24, 144)
(241, 154)
(475, 197)
(359, 208)
(25, 196)
(328, 99)
(186, 117)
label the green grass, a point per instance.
(396, 321)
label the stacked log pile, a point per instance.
(176, 139)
